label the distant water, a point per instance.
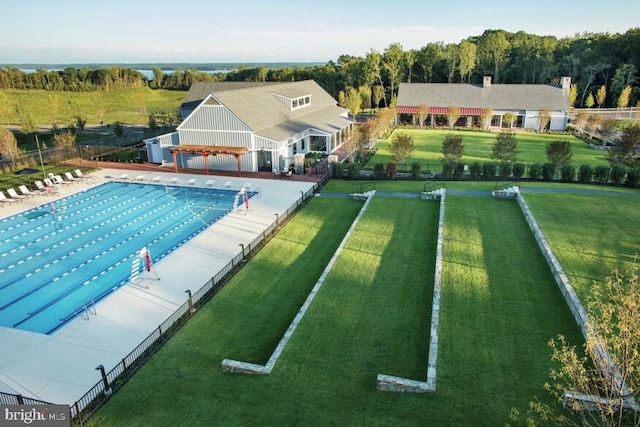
(145, 72)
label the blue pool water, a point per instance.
(60, 256)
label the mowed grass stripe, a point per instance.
(590, 235)
(372, 314)
(499, 308)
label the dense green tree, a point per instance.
(392, 62)
(353, 102)
(559, 153)
(428, 57)
(467, 55)
(8, 145)
(505, 148)
(401, 147)
(626, 146)
(494, 46)
(452, 58)
(452, 148)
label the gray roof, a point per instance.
(496, 97)
(257, 106)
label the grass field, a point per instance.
(128, 106)
(590, 235)
(499, 307)
(477, 148)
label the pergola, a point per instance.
(205, 151)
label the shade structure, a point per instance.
(207, 150)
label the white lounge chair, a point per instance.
(156, 179)
(80, 175)
(210, 183)
(174, 180)
(4, 199)
(57, 179)
(14, 195)
(228, 184)
(41, 187)
(83, 177)
(124, 177)
(192, 181)
(25, 191)
(140, 177)
(70, 177)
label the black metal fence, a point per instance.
(114, 379)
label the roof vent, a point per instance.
(486, 82)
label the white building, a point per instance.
(525, 101)
(251, 126)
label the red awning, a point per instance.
(465, 111)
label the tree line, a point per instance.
(601, 66)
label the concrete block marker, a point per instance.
(404, 385)
(235, 366)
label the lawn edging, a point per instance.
(405, 385)
(600, 354)
(235, 366)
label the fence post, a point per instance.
(190, 299)
(20, 399)
(78, 414)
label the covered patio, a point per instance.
(205, 151)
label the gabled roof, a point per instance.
(496, 96)
(200, 90)
(256, 105)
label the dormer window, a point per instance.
(294, 99)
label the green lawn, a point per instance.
(499, 307)
(477, 148)
(129, 106)
(590, 235)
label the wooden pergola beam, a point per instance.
(205, 151)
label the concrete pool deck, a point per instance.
(61, 368)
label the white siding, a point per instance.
(213, 116)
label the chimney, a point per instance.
(565, 85)
(486, 82)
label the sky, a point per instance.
(210, 31)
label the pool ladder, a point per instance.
(87, 309)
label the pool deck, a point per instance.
(60, 368)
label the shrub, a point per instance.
(458, 170)
(448, 168)
(567, 173)
(518, 170)
(585, 173)
(548, 171)
(504, 170)
(535, 171)
(617, 175)
(337, 170)
(489, 171)
(378, 171)
(353, 170)
(633, 177)
(475, 171)
(415, 170)
(601, 174)
(391, 170)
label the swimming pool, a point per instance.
(59, 258)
